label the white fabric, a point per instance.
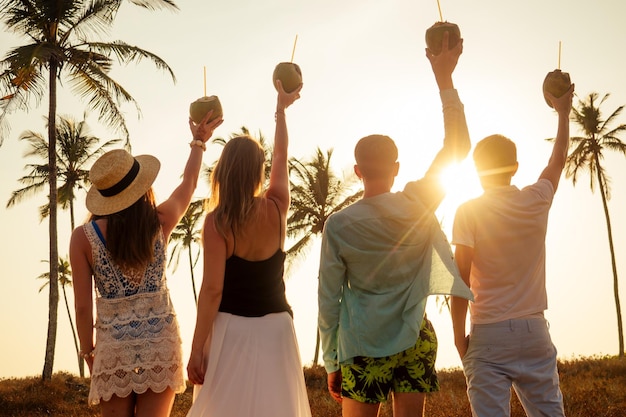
(510, 226)
(138, 344)
(253, 369)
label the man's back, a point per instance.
(506, 227)
(391, 251)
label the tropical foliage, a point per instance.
(316, 193)
(59, 47)
(76, 150)
(186, 236)
(600, 136)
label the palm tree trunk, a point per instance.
(72, 225)
(81, 364)
(620, 328)
(193, 280)
(53, 300)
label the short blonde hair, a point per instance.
(495, 154)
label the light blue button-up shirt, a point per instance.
(381, 258)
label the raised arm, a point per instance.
(563, 106)
(173, 209)
(456, 143)
(279, 174)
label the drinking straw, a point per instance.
(205, 80)
(440, 15)
(293, 51)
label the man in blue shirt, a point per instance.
(381, 258)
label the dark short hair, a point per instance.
(493, 152)
(375, 155)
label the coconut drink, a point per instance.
(289, 74)
(199, 108)
(434, 36)
(556, 83)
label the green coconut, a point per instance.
(199, 108)
(434, 36)
(289, 74)
(556, 83)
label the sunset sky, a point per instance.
(365, 72)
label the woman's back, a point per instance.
(261, 236)
(253, 275)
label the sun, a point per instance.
(461, 184)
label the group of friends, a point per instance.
(381, 258)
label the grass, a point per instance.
(594, 386)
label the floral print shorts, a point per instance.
(369, 380)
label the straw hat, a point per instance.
(119, 180)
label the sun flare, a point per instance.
(461, 184)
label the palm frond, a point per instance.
(156, 4)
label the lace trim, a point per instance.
(138, 347)
(135, 307)
(123, 382)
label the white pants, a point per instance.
(517, 353)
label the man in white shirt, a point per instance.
(500, 252)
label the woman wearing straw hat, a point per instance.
(244, 355)
(136, 363)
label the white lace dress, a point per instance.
(138, 344)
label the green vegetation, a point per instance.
(599, 137)
(591, 386)
(64, 45)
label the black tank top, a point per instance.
(255, 288)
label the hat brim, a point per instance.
(101, 206)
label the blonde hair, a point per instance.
(236, 180)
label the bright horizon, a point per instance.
(364, 72)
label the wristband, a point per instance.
(198, 143)
(86, 355)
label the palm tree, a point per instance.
(77, 148)
(65, 279)
(316, 193)
(186, 234)
(587, 155)
(59, 48)
(74, 152)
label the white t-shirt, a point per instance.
(506, 227)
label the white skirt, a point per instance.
(254, 370)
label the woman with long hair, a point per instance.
(136, 361)
(244, 355)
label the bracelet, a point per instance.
(198, 143)
(86, 355)
(278, 113)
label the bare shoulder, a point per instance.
(78, 236)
